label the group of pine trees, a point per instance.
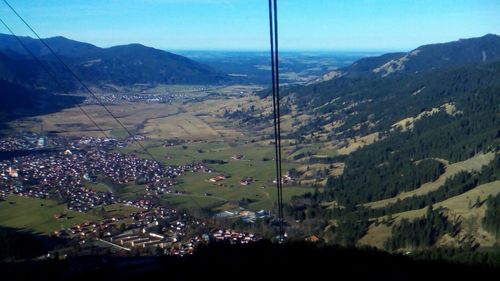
(400, 160)
(19, 245)
(491, 220)
(458, 184)
(421, 232)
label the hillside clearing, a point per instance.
(408, 123)
(457, 205)
(376, 236)
(358, 142)
(473, 164)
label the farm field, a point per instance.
(183, 125)
(204, 134)
(38, 215)
(72, 122)
(257, 163)
(227, 193)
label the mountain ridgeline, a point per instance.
(375, 103)
(119, 65)
(22, 76)
(429, 57)
(405, 117)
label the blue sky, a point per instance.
(242, 24)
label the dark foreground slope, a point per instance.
(260, 261)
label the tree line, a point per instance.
(456, 185)
(421, 232)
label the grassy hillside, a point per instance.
(473, 164)
(39, 215)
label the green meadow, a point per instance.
(39, 215)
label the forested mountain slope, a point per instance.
(425, 120)
(122, 65)
(428, 57)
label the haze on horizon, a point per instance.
(240, 25)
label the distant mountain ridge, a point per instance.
(427, 57)
(27, 90)
(123, 65)
(398, 85)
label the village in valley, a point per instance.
(188, 174)
(201, 138)
(66, 169)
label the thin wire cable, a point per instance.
(82, 83)
(276, 157)
(273, 28)
(278, 115)
(59, 83)
(53, 76)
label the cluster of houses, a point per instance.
(66, 173)
(60, 174)
(141, 229)
(217, 235)
(286, 179)
(237, 157)
(157, 228)
(169, 240)
(140, 240)
(3, 194)
(247, 181)
(233, 237)
(107, 142)
(162, 186)
(218, 178)
(118, 224)
(140, 98)
(245, 215)
(13, 143)
(83, 199)
(141, 203)
(18, 189)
